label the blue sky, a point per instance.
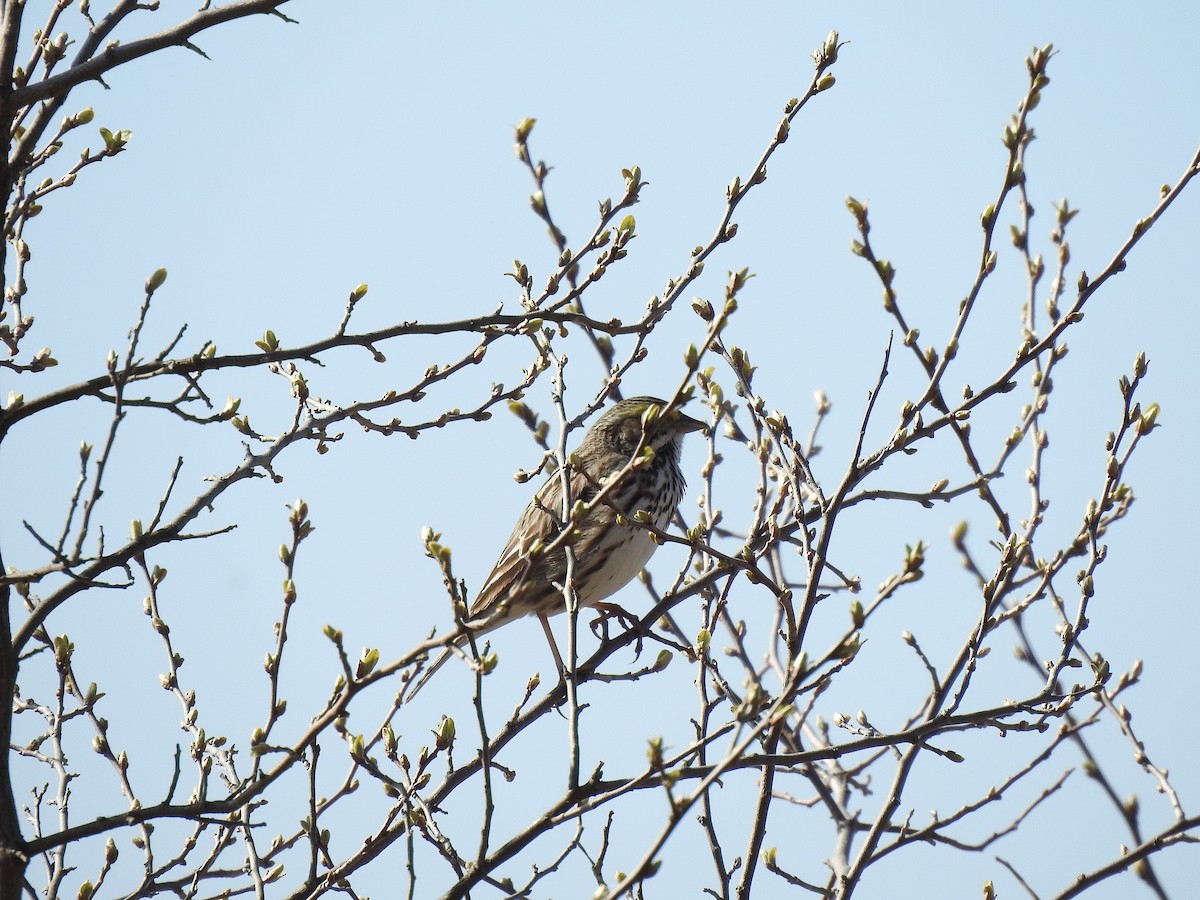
(372, 143)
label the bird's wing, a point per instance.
(539, 522)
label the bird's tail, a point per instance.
(438, 662)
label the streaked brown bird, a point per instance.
(639, 440)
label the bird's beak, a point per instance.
(684, 424)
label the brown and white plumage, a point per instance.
(607, 554)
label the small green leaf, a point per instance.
(524, 128)
(444, 734)
(370, 658)
(269, 343)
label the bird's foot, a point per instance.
(608, 611)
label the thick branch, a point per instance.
(118, 54)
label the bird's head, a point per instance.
(640, 421)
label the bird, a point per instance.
(636, 441)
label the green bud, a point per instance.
(444, 733)
(523, 129)
(155, 281)
(368, 661)
(1148, 419)
(269, 342)
(654, 752)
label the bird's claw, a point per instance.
(628, 621)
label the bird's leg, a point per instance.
(562, 670)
